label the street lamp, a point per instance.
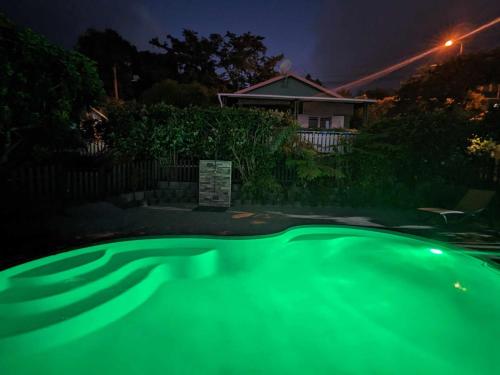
(450, 42)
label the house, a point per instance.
(315, 107)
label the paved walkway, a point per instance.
(102, 220)
(90, 223)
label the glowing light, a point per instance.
(436, 251)
(457, 285)
(448, 43)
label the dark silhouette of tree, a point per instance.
(244, 61)
(316, 80)
(442, 85)
(377, 93)
(212, 63)
(194, 57)
(227, 62)
(112, 54)
(43, 91)
(179, 94)
(151, 68)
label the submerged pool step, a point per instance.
(92, 306)
(87, 321)
(198, 266)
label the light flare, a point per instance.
(459, 286)
(402, 64)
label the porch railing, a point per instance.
(327, 141)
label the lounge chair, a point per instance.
(473, 203)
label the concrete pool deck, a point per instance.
(102, 221)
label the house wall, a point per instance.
(260, 102)
(319, 109)
(328, 109)
(289, 86)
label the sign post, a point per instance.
(214, 183)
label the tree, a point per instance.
(114, 55)
(226, 62)
(179, 94)
(152, 68)
(377, 93)
(194, 57)
(216, 62)
(315, 80)
(412, 159)
(449, 84)
(243, 60)
(43, 91)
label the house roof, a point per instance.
(295, 76)
(301, 98)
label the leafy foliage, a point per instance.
(450, 83)
(311, 166)
(208, 63)
(179, 94)
(111, 52)
(318, 176)
(252, 139)
(430, 140)
(481, 146)
(244, 61)
(43, 91)
(227, 61)
(194, 58)
(396, 160)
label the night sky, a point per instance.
(336, 41)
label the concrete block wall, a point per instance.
(172, 192)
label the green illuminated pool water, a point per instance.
(311, 300)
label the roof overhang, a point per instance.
(299, 98)
(324, 90)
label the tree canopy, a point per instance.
(43, 91)
(179, 94)
(228, 61)
(244, 61)
(194, 57)
(218, 62)
(110, 51)
(449, 83)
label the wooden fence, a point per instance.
(57, 182)
(327, 141)
(94, 148)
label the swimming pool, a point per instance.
(316, 299)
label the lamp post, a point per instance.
(450, 42)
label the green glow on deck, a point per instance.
(318, 300)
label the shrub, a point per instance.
(43, 91)
(254, 140)
(398, 161)
(179, 94)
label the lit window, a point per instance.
(313, 123)
(325, 123)
(337, 121)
